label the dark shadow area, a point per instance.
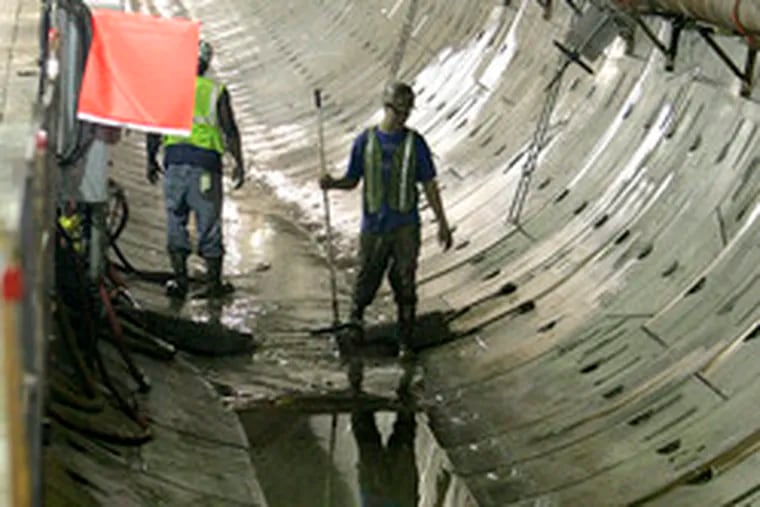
(120, 402)
(356, 452)
(201, 338)
(379, 339)
(388, 472)
(291, 465)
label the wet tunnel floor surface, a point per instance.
(340, 459)
(269, 353)
(350, 448)
(282, 303)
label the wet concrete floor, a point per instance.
(296, 383)
(342, 458)
(620, 366)
(351, 451)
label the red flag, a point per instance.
(140, 72)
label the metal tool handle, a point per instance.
(326, 202)
(321, 132)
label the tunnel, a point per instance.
(601, 297)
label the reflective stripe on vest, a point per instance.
(205, 132)
(401, 191)
(404, 199)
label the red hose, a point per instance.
(118, 337)
(751, 40)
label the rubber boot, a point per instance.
(355, 375)
(356, 322)
(177, 286)
(214, 288)
(405, 321)
(357, 315)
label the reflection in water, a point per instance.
(356, 456)
(387, 473)
(293, 465)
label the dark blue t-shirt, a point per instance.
(193, 155)
(387, 219)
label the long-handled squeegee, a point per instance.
(326, 203)
(333, 283)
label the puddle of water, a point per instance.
(359, 457)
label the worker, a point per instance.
(193, 181)
(85, 185)
(388, 473)
(391, 159)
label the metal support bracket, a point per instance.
(676, 27)
(573, 56)
(678, 24)
(548, 7)
(574, 7)
(669, 50)
(747, 75)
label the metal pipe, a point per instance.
(740, 15)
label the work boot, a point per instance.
(404, 389)
(357, 314)
(356, 322)
(177, 286)
(355, 375)
(405, 322)
(214, 288)
(405, 351)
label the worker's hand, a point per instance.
(153, 173)
(238, 177)
(444, 236)
(326, 182)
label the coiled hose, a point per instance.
(70, 417)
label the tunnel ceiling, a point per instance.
(609, 350)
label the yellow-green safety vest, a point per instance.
(206, 132)
(401, 191)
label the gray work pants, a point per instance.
(183, 193)
(396, 251)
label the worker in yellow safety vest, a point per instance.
(392, 160)
(193, 180)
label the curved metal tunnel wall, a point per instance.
(608, 352)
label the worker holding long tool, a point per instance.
(391, 159)
(193, 181)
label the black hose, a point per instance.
(85, 424)
(81, 289)
(94, 351)
(125, 406)
(74, 151)
(148, 343)
(118, 338)
(117, 193)
(68, 397)
(67, 331)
